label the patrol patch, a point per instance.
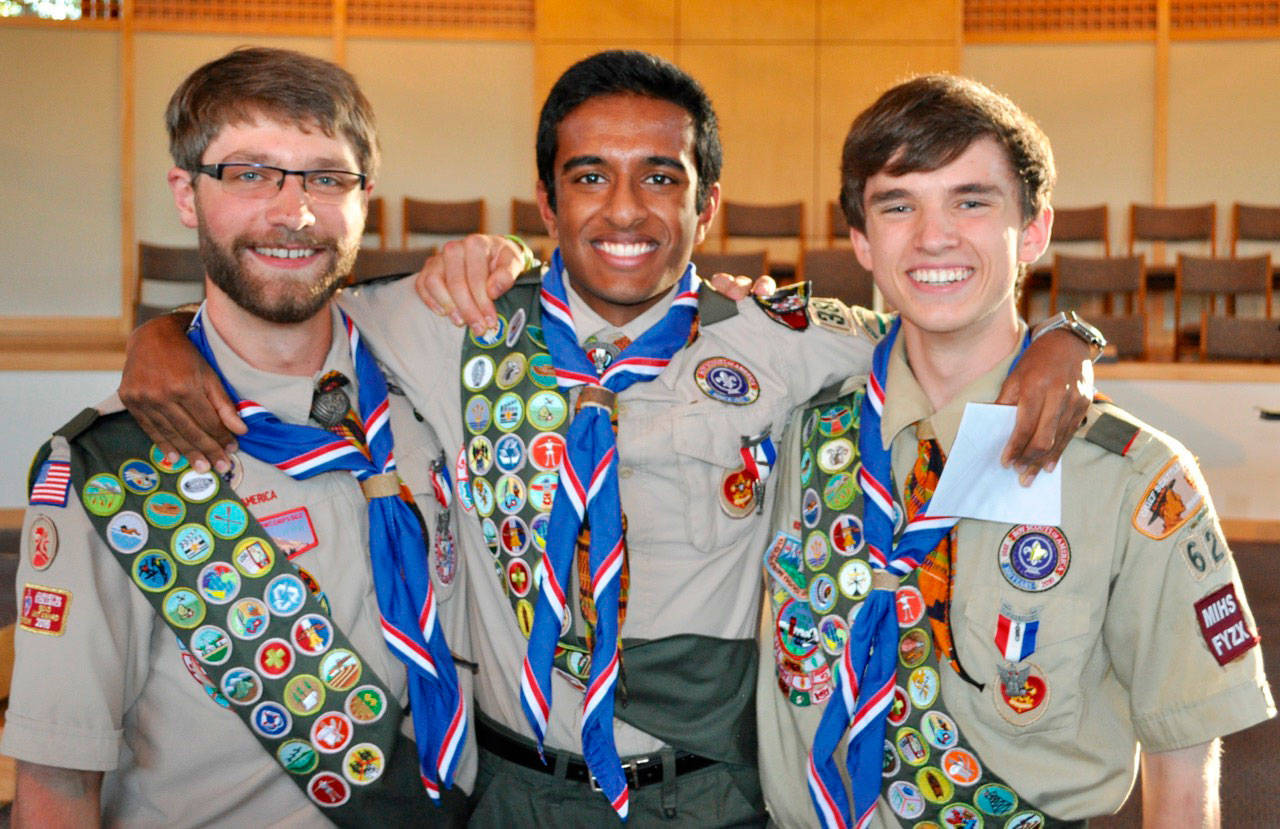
(1171, 499)
(787, 306)
(292, 531)
(727, 381)
(1034, 558)
(44, 609)
(51, 484)
(782, 561)
(42, 542)
(830, 314)
(1223, 625)
(1022, 694)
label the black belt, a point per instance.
(640, 771)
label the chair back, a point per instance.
(375, 221)
(836, 272)
(763, 220)
(1195, 223)
(751, 263)
(1254, 223)
(1210, 278)
(1238, 338)
(441, 218)
(1083, 224)
(837, 224)
(372, 263)
(1103, 276)
(167, 277)
(526, 222)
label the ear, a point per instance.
(707, 214)
(861, 248)
(184, 196)
(1034, 237)
(544, 207)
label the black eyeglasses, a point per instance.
(262, 181)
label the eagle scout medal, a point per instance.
(1016, 634)
(127, 532)
(42, 542)
(1022, 694)
(1034, 558)
(727, 381)
(44, 609)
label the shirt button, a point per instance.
(624, 472)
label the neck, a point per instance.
(297, 349)
(945, 363)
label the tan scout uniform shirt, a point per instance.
(693, 568)
(1119, 644)
(111, 693)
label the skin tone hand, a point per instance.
(47, 796)
(468, 274)
(1180, 787)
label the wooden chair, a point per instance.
(441, 218)
(836, 272)
(167, 277)
(1082, 224)
(1239, 338)
(375, 221)
(746, 263)
(1105, 277)
(1196, 223)
(526, 222)
(1254, 223)
(765, 221)
(837, 225)
(1210, 278)
(372, 263)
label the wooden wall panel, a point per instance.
(633, 20)
(768, 20)
(889, 20)
(551, 58)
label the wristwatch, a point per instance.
(1072, 322)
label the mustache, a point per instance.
(285, 239)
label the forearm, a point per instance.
(47, 796)
(1180, 788)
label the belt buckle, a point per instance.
(630, 770)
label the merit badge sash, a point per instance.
(249, 628)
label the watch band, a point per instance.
(1072, 322)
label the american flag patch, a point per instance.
(51, 484)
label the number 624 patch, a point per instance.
(1203, 548)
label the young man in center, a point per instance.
(984, 672)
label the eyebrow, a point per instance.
(592, 160)
(324, 163)
(972, 188)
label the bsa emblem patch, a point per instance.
(42, 542)
(1223, 626)
(787, 306)
(1169, 502)
(727, 381)
(1022, 694)
(44, 609)
(1034, 558)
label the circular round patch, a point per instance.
(102, 494)
(601, 354)
(835, 455)
(809, 427)
(961, 766)
(727, 381)
(127, 532)
(191, 543)
(331, 732)
(1029, 702)
(274, 658)
(516, 327)
(855, 578)
(248, 618)
(493, 336)
(42, 542)
(241, 685)
(211, 645)
(511, 370)
(164, 510)
(922, 686)
(363, 763)
(514, 535)
(519, 577)
(806, 466)
(227, 519)
(1034, 558)
(234, 476)
(547, 410)
(328, 790)
(913, 647)
(1026, 820)
(839, 490)
(835, 634)
(797, 632)
(340, 669)
(889, 762)
(737, 493)
(542, 490)
(270, 719)
(934, 785)
(253, 557)
(542, 371)
(139, 477)
(304, 694)
(510, 494)
(899, 707)
(462, 482)
(444, 555)
(480, 455)
(524, 616)
(157, 457)
(905, 799)
(535, 335)
(477, 414)
(489, 530)
(366, 704)
(154, 571)
(810, 508)
(218, 582)
(478, 372)
(960, 814)
(816, 551)
(846, 534)
(183, 608)
(822, 593)
(538, 531)
(939, 730)
(509, 454)
(995, 799)
(508, 412)
(546, 451)
(835, 420)
(198, 487)
(910, 605)
(911, 746)
(285, 594)
(312, 634)
(482, 492)
(297, 756)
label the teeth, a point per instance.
(625, 250)
(939, 276)
(286, 253)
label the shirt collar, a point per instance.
(587, 323)
(286, 396)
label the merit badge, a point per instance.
(547, 410)
(911, 746)
(366, 704)
(1034, 558)
(546, 451)
(139, 476)
(248, 618)
(787, 306)
(806, 466)
(1016, 634)
(1170, 500)
(797, 632)
(492, 337)
(922, 686)
(510, 493)
(816, 551)
(478, 372)
(103, 494)
(542, 490)
(490, 532)
(782, 560)
(737, 493)
(363, 763)
(51, 484)
(514, 535)
(42, 542)
(515, 328)
(285, 594)
(477, 414)
(509, 454)
(835, 633)
(524, 617)
(538, 529)
(995, 799)
(270, 719)
(154, 571)
(303, 694)
(253, 557)
(1022, 693)
(535, 335)
(164, 510)
(840, 490)
(855, 578)
(727, 381)
(961, 766)
(542, 371)
(44, 609)
(519, 577)
(810, 508)
(191, 543)
(1026, 820)
(511, 370)
(241, 685)
(835, 455)
(939, 730)
(846, 535)
(157, 457)
(830, 314)
(889, 763)
(211, 645)
(899, 707)
(340, 669)
(905, 799)
(297, 756)
(508, 412)
(959, 814)
(331, 732)
(1223, 626)
(463, 483)
(312, 634)
(198, 487)
(183, 608)
(913, 647)
(835, 420)
(328, 790)
(910, 606)
(822, 593)
(274, 658)
(934, 786)
(227, 519)
(291, 532)
(480, 454)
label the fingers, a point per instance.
(506, 263)
(733, 287)
(429, 283)
(456, 282)
(764, 286)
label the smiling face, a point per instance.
(626, 219)
(280, 258)
(945, 245)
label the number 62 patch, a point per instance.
(1203, 548)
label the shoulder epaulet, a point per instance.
(42, 455)
(384, 279)
(1112, 432)
(836, 391)
(714, 307)
(787, 306)
(533, 276)
(76, 426)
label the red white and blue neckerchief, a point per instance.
(867, 669)
(588, 491)
(50, 486)
(397, 549)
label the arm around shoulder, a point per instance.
(48, 796)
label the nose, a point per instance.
(625, 208)
(936, 230)
(290, 208)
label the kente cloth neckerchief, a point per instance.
(397, 550)
(866, 671)
(588, 489)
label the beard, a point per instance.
(280, 299)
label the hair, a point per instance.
(282, 84)
(928, 122)
(627, 72)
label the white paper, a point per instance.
(975, 485)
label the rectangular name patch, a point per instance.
(44, 609)
(1223, 626)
